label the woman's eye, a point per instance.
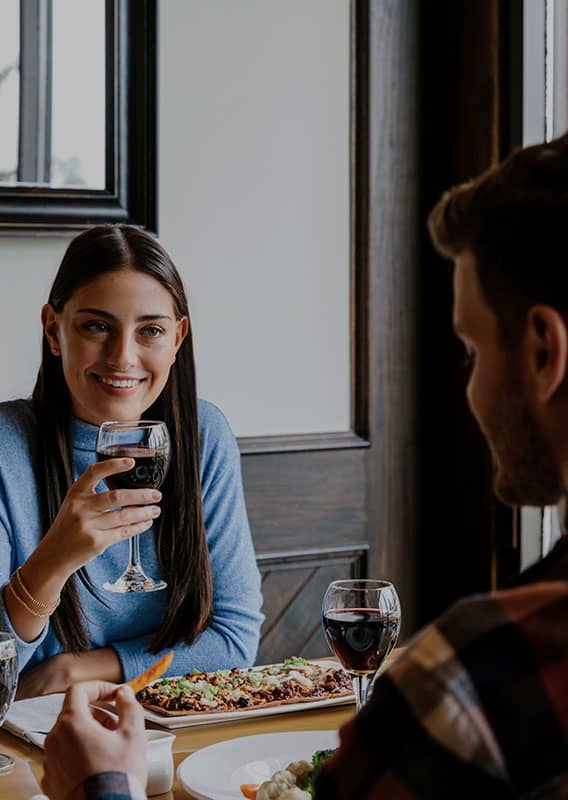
(153, 331)
(96, 326)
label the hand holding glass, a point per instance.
(361, 621)
(148, 443)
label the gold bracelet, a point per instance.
(45, 609)
(49, 608)
(23, 603)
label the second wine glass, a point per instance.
(8, 682)
(148, 443)
(361, 622)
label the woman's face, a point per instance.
(117, 338)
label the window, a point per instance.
(78, 110)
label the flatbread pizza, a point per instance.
(294, 681)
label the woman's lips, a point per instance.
(117, 385)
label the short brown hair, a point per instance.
(514, 219)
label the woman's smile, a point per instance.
(117, 337)
(117, 385)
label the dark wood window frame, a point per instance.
(344, 504)
(130, 140)
(358, 434)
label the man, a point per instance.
(477, 705)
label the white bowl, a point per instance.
(160, 762)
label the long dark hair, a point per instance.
(181, 543)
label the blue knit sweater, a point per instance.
(131, 619)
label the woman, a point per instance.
(117, 345)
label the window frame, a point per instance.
(130, 141)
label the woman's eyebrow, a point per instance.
(107, 315)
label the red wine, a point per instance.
(148, 472)
(361, 637)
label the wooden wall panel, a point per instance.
(293, 590)
(347, 499)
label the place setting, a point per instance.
(361, 622)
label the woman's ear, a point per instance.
(49, 323)
(546, 343)
(182, 327)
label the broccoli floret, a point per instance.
(320, 756)
(318, 760)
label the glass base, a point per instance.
(133, 580)
(362, 682)
(6, 763)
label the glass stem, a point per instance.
(134, 555)
(361, 684)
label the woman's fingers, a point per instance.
(128, 531)
(122, 517)
(104, 501)
(96, 473)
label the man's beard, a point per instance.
(525, 471)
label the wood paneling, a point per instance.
(464, 535)
(345, 503)
(293, 589)
(431, 106)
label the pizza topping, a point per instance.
(228, 690)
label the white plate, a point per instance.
(190, 720)
(217, 772)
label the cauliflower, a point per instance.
(285, 784)
(272, 789)
(294, 793)
(301, 770)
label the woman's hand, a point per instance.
(85, 741)
(89, 522)
(59, 673)
(53, 675)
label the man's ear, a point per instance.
(49, 322)
(546, 343)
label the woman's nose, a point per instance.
(121, 354)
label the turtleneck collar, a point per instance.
(84, 435)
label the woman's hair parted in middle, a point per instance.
(181, 542)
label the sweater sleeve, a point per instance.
(231, 639)
(7, 566)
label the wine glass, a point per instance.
(8, 681)
(148, 443)
(361, 622)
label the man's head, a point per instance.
(507, 233)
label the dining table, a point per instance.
(19, 783)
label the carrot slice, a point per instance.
(152, 673)
(249, 790)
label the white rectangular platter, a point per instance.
(191, 720)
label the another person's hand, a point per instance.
(86, 741)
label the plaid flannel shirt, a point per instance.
(475, 707)
(109, 786)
